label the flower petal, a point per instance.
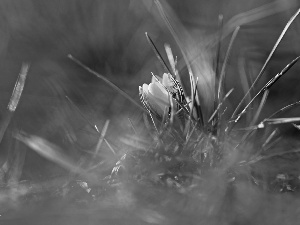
(150, 102)
(166, 81)
(159, 92)
(158, 96)
(145, 89)
(155, 78)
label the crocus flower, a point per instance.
(156, 96)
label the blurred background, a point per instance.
(109, 37)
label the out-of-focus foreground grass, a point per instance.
(108, 36)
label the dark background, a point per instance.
(109, 37)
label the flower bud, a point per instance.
(155, 97)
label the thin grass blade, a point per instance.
(110, 146)
(244, 81)
(173, 64)
(257, 14)
(275, 121)
(269, 156)
(18, 89)
(183, 52)
(219, 106)
(250, 132)
(102, 136)
(115, 87)
(267, 86)
(224, 66)
(132, 126)
(278, 76)
(172, 61)
(218, 53)
(271, 136)
(94, 126)
(260, 107)
(218, 56)
(284, 109)
(267, 61)
(53, 153)
(157, 53)
(14, 99)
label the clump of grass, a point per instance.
(181, 147)
(184, 147)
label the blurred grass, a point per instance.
(108, 36)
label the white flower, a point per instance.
(156, 96)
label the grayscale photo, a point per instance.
(149, 112)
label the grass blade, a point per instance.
(14, 99)
(172, 61)
(183, 52)
(261, 105)
(270, 138)
(269, 156)
(244, 81)
(173, 64)
(132, 126)
(219, 106)
(223, 70)
(218, 53)
(284, 109)
(277, 77)
(18, 89)
(218, 56)
(251, 131)
(267, 61)
(15, 163)
(257, 14)
(53, 153)
(102, 136)
(110, 146)
(267, 86)
(276, 121)
(223, 73)
(94, 126)
(123, 93)
(157, 53)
